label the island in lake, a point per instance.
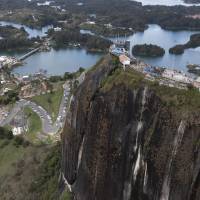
(148, 50)
(194, 42)
(177, 49)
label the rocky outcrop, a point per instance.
(125, 144)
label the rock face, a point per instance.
(126, 145)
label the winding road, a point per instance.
(48, 126)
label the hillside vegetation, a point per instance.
(28, 171)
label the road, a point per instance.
(47, 125)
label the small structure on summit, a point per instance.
(124, 60)
(119, 48)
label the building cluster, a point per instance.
(177, 76)
(6, 61)
(120, 48)
(31, 85)
(57, 29)
(172, 77)
(40, 75)
(169, 77)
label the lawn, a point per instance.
(50, 102)
(34, 124)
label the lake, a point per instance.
(56, 62)
(165, 2)
(166, 39)
(31, 32)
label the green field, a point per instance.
(50, 102)
(34, 124)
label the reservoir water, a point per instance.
(166, 39)
(56, 62)
(165, 2)
(32, 32)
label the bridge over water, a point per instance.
(29, 54)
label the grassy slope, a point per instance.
(30, 172)
(16, 164)
(50, 102)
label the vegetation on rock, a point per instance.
(132, 120)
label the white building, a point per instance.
(8, 61)
(5, 90)
(57, 29)
(17, 130)
(108, 25)
(90, 22)
(26, 78)
(3, 58)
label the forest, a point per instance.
(70, 36)
(13, 38)
(148, 50)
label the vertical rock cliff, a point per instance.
(125, 143)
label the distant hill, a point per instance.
(192, 1)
